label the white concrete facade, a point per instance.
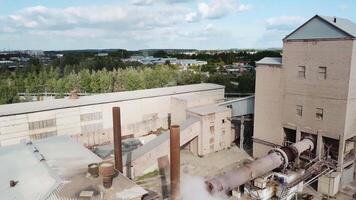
(89, 119)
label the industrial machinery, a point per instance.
(272, 175)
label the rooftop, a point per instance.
(208, 109)
(324, 27)
(38, 106)
(56, 168)
(270, 61)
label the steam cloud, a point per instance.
(194, 188)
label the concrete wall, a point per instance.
(312, 92)
(350, 124)
(268, 109)
(215, 133)
(139, 116)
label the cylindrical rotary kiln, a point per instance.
(277, 158)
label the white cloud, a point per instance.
(284, 22)
(191, 17)
(134, 24)
(150, 2)
(107, 17)
(216, 8)
(244, 7)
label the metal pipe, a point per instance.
(276, 158)
(117, 138)
(175, 161)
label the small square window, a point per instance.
(299, 110)
(322, 73)
(319, 113)
(212, 130)
(301, 72)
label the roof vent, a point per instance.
(334, 19)
(13, 183)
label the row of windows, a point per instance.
(321, 72)
(42, 124)
(91, 116)
(319, 112)
(43, 135)
(89, 128)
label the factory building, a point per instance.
(311, 91)
(88, 119)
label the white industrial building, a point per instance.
(89, 119)
(145, 115)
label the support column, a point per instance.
(340, 157)
(319, 145)
(175, 161)
(298, 134)
(117, 138)
(298, 137)
(242, 131)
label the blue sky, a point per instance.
(140, 24)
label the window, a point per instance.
(319, 113)
(212, 130)
(90, 116)
(43, 135)
(301, 72)
(322, 73)
(299, 110)
(223, 121)
(90, 128)
(42, 124)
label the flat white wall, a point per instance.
(138, 117)
(268, 107)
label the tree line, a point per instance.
(88, 74)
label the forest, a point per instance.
(88, 74)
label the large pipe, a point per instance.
(175, 161)
(275, 159)
(117, 138)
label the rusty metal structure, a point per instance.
(175, 160)
(276, 159)
(117, 138)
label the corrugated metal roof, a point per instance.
(65, 156)
(324, 27)
(61, 175)
(270, 61)
(30, 107)
(344, 24)
(35, 179)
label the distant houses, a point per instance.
(237, 68)
(184, 63)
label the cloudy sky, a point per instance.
(140, 24)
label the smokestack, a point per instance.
(73, 94)
(117, 138)
(175, 161)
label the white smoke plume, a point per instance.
(193, 188)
